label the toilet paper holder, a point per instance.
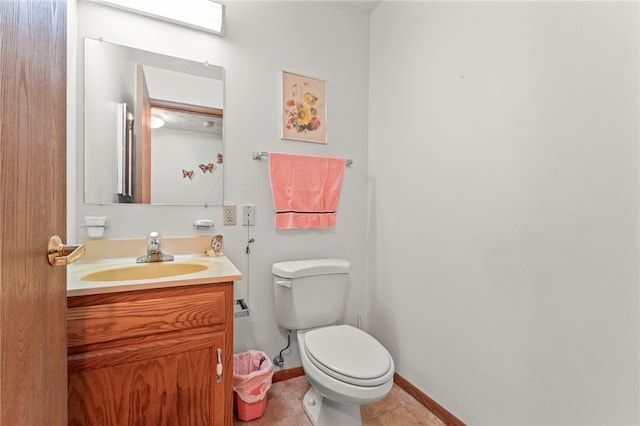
(241, 309)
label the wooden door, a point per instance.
(32, 209)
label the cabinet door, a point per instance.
(167, 382)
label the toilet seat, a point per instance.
(349, 354)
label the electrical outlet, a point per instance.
(229, 215)
(248, 215)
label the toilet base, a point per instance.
(325, 412)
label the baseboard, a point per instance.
(290, 373)
(437, 409)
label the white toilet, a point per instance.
(345, 366)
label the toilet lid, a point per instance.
(349, 354)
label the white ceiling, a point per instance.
(367, 5)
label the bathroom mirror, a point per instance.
(153, 128)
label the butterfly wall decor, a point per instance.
(187, 174)
(206, 168)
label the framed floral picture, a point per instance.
(304, 108)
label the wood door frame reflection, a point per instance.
(142, 164)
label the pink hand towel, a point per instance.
(306, 189)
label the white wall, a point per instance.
(175, 150)
(327, 40)
(504, 206)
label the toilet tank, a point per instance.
(310, 293)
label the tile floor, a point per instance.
(284, 408)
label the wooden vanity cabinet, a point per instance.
(149, 357)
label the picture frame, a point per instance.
(304, 108)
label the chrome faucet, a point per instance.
(154, 250)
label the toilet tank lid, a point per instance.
(309, 267)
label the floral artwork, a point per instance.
(304, 108)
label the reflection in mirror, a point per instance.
(153, 128)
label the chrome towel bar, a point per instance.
(257, 155)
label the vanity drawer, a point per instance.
(126, 316)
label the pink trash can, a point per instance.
(252, 375)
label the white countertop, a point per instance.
(219, 269)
